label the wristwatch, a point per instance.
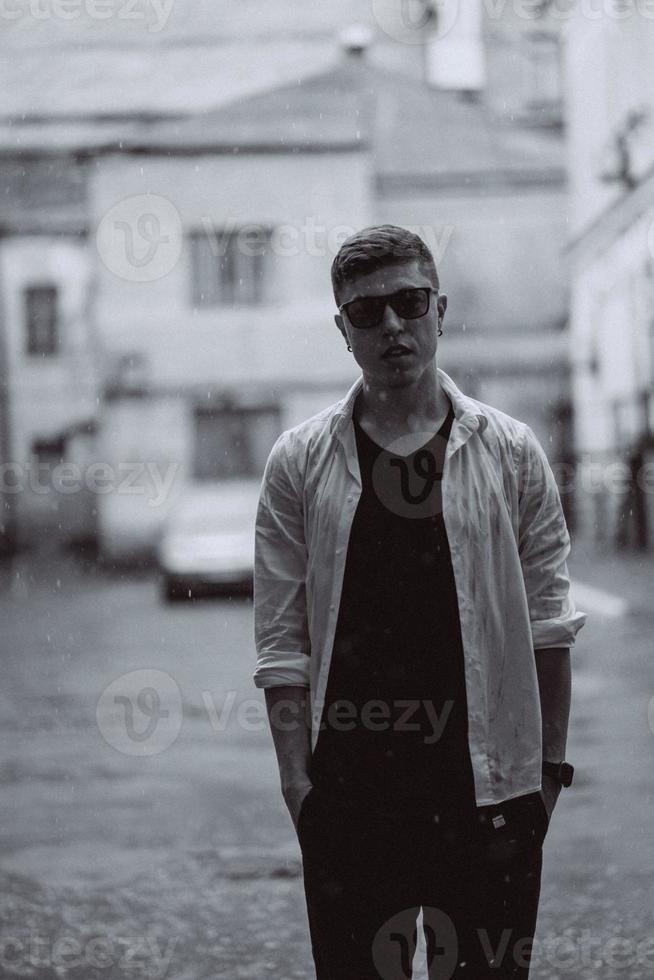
(561, 771)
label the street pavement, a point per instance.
(143, 833)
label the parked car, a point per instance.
(207, 543)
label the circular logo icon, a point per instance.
(395, 944)
(140, 713)
(415, 21)
(407, 480)
(140, 238)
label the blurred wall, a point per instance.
(269, 342)
(610, 107)
(501, 266)
(181, 355)
(50, 393)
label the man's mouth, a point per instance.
(397, 350)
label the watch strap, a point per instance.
(561, 771)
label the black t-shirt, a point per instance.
(395, 722)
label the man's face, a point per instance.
(372, 347)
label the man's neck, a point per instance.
(419, 407)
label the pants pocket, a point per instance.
(544, 815)
(509, 829)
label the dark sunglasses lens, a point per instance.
(366, 311)
(411, 303)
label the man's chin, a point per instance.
(398, 375)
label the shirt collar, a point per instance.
(467, 411)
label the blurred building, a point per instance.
(610, 95)
(49, 380)
(195, 368)
(104, 68)
(238, 341)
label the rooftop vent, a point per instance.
(355, 40)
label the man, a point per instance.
(411, 576)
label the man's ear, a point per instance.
(442, 305)
(338, 320)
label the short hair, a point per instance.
(374, 248)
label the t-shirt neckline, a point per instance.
(383, 449)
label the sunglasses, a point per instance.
(368, 311)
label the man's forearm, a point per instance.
(290, 727)
(555, 685)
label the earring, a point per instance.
(440, 331)
(348, 347)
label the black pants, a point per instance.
(474, 871)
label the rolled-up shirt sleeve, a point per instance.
(544, 546)
(280, 562)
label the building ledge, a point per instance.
(618, 216)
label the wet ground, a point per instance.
(143, 833)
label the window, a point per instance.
(233, 441)
(47, 453)
(543, 53)
(229, 266)
(41, 320)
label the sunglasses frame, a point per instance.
(388, 297)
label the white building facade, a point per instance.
(51, 388)
(231, 340)
(610, 95)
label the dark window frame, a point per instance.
(42, 337)
(239, 422)
(49, 450)
(544, 56)
(228, 265)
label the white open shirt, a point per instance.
(508, 541)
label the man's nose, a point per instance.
(391, 323)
